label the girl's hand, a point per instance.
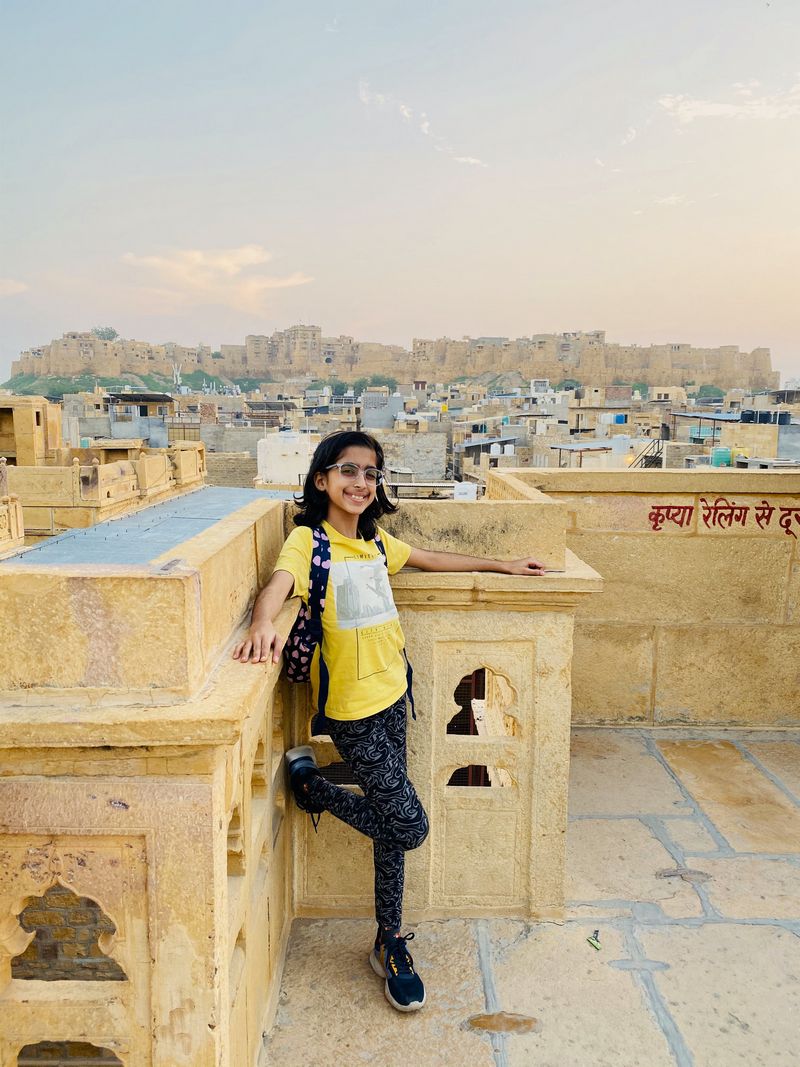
(260, 641)
(525, 566)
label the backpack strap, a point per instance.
(317, 589)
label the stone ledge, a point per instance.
(420, 589)
(213, 717)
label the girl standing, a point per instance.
(364, 710)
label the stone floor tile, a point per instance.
(591, 911)
(589, 1013)
(733, 991)
(617, 859)
(333, 1012)
(747, 887)
(612, 773)
(780, 757)
(690, 835)
(744, 805)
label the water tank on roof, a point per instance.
(495, 450)
(508, 450)
(784, 418)
(748, 416)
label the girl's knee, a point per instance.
(411, 837)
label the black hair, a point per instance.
(312, 503)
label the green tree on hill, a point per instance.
(105, 333)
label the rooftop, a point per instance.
(683, 855)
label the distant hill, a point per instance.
(51, 385)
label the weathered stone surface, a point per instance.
(733, 992)
(617, 860)
(333, 1010)
(612, 672)
(642, 577)
(701, 678)
(690, 835)
(497, 529)
(782, 758)
(612, 773)
(743, 887)
(555, 976)
(747, 809)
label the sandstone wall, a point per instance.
(699, 621)
(231, 468)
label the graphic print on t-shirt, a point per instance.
(362, 593)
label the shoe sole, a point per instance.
(381, 973)
(292, 755)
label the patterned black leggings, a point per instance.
(390, 811)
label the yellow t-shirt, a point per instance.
(361, 634)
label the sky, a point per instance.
(196, 171)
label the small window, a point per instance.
(473, 775)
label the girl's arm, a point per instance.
(425, 560)
(261, 637)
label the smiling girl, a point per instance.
(365, 672)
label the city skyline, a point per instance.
(185, 174)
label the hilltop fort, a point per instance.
(303, 351)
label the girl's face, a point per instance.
(349, 495)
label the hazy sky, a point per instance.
(186, 170)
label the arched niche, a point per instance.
(483, 699)
(66, 938)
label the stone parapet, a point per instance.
(700, 620)
(77, 495)
(164, 815)
(533, 525)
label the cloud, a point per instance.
(783, 104)
(11, 287)
(629, 136)
(383, 101)
(189, 277)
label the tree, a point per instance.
(568, 383)
(105, 333)
(712, 391)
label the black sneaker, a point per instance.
(391, 960)
(302, 766)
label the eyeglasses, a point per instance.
(352, 470)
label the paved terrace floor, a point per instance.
(683, 855)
